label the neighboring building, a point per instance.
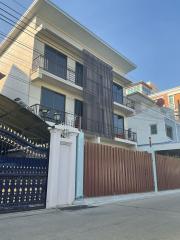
(155, 126)
(142, 87)
(68, 75)
(169, 98)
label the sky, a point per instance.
(145, 31)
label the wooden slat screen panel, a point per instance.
(112, 171)
(168, 172)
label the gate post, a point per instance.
(80, 166)
(154, 170)
(62, 167)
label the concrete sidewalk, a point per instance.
(149, 219)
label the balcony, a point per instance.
(121, 135)
(123, 103)
(55, 116)
(51, 115)
(60, 75)
(125, 134)
(123, 100)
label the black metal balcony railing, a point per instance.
(56, 116)
(125, 134)
(62, 71)
(64, 118)
(123, 100)
(97, 128)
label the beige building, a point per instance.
(63, 70)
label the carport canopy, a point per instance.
(21, 119)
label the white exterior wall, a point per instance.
(141, 122)
(62, 168)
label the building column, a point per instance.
(62, 167)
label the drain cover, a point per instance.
(76, 207)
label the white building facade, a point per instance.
(155, 126)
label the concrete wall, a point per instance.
(62, 168)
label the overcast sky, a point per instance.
(145, 31)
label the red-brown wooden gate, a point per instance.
(168, 172)
(110, 171)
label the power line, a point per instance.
(8, 19)
(19, 4)
(25, 66)
(38, 37)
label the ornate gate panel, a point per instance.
(23, 171)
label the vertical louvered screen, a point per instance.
(97, 95)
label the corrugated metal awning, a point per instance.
(21, 119)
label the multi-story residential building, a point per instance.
(169, 98)
(68, 75)
(142, 87)
(155, 125)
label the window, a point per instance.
(146, 90)
(153, 129)
(55, 62)
(169, 131)
(54, 102)
(117, 93)
(171, 101)
(118, 124)
(79, 74)
(78, 109)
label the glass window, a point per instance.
(54, 102)
(169, 131)
(118, 124)
(117, 93)
(171, 101)
(153, 129)
(79, 74)
(146, 90)
(78, 108)
(55, 62)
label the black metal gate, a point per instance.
(23, 171)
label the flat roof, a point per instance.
(138, 83)
(175, 89)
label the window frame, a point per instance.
(115, 93)
(116, 127)
(171, 104)
(77, 82)
(55, 68)
(52, 108)
(151, 129)
(76, 101)
(169, 127)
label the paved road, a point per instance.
(149, 219)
